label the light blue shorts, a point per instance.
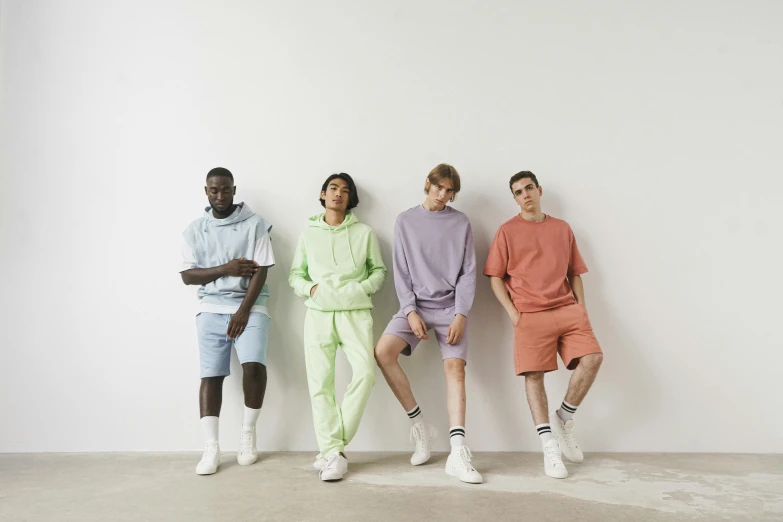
(215, 347)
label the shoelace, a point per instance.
(553, 455)
(246, 444)
(570, 438)
(332, 463)
(418, 429)
(209, 453)
(465, 457)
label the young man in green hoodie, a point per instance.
(337, 267)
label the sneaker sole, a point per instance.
(422, 462)
(204, 473)
(243, 462)
(449, 472)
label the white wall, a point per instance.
(655, 128)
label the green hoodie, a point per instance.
(344, 261)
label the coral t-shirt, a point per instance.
(534, 259)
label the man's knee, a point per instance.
(385, 354)
(253, 370)
(593, 361)
(534, 377)
(454, 369)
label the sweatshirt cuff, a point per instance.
(408, 309)
(460, 310)
(366, 286)
(307, 288)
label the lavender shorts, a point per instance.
(438, 320)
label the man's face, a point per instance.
(439, 194)
(337, 195)
(220, 192)
(527, 195)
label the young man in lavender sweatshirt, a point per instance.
(435, 278)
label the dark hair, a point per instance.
(522, 175)
(220, 171)
(353, 199)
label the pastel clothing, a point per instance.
(534, 259)
(437, 320)
(215, 346)
(210, 242)
(434, 260)
(540, 336)
(345, 262)
(336, 424)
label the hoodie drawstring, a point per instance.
(331, 247)
(350, 250)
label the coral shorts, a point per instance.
(540, 336)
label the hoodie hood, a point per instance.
(317, 221)
(241, 213)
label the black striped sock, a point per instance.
(566, 411)
(457, 436)
(415, 412)
(545, 432)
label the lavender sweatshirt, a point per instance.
(434, 260)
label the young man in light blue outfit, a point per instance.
(227, 251)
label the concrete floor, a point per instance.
(384, 486)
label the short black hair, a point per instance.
(220, 171)
(522, 175)
(353, 199)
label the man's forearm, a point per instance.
(578, 288)
(202, 276)
(501, 293)
(254, 288)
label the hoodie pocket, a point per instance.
(350, 296)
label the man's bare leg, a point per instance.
(536, 397)
(583, 377)
(387, 353)
(455, 390)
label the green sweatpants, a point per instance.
(335, 425)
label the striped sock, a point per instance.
(415, 415)
(566, 412)
(457, 436)
(545, 432)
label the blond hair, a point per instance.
(441, 172)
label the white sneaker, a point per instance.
(422, 434)
(553, 464)
(335, 468)
(210, 460)
(565, 436)
(320, 462)
(248, 453)
(458, 465)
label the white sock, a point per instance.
(209, 425)
(251, 417)
(457, 436)
(416, 415)
(545, 432)
(566, 412)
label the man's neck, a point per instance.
(429, 206)
(334, 218)
(534, 217)
(223, 215)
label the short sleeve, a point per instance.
(497, 260)
(576, 265)
(263, 254)
(188, 258)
